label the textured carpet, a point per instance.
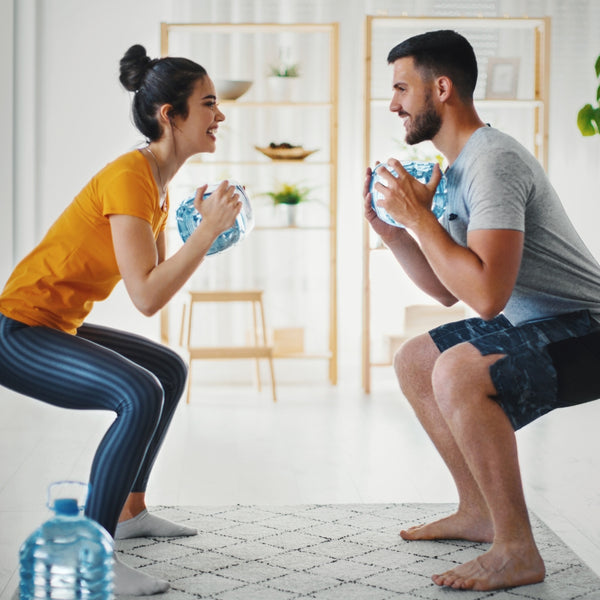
(346, 552)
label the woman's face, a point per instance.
(199, 129)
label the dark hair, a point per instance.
(156, 82)
(442, 52)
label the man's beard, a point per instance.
(425, 125)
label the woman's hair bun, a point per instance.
(133, 67)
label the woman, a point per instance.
(115, 229)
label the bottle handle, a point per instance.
(76, 490)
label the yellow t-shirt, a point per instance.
(74, 265)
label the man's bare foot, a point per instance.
(459, 526)
(502, 566)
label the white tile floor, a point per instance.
(317, 444)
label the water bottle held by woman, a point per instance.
(188, 218)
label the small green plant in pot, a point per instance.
(588, 118)
(290, 195)
(284, 70)
(283, 78)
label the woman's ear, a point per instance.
(165, 113)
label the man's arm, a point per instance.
(482, 275)
(407, 252)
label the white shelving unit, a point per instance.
(295, 264)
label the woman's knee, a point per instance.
(172, 373)
(142, 398)
(173, 362)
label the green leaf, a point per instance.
(596, 119)
(597, 66)
(584, 120)
(598, 94)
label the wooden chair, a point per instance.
(260, 348)
(419, 318)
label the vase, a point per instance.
(291, 214)
(283, 89)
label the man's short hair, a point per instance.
(441, 53)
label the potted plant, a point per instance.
(290, 195)
(284, 70)
(588, 118)
(283, 78)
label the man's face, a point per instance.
(413, 102)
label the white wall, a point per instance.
(6, 140)
(73, 116)
(575, 160)
(81, 114)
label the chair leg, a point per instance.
(257, 361)
(272, 368)
(181, 329)
(189, 382)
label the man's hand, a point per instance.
(407, 200)
(384, 230)
(402, 244)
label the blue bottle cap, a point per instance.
(66, 506)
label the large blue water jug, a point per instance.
(421, 171)
(188, 218)
(69, 557)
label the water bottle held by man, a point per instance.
(421, 171)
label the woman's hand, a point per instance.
(219, 210)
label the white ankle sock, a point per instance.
(129, 582)
(147, 525)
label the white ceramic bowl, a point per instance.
(231, 89)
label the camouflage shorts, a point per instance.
(525, 378)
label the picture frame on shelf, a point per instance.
(502, 78)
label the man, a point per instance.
(506, 248)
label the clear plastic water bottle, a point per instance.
(69, 557)
(188, 218)
(421, 171)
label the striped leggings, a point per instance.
(100, 369)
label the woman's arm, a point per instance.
(151, 279)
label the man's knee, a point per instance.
(415, 358)
(460, 373)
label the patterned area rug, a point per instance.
(345, 552)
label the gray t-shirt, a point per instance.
(495, 183)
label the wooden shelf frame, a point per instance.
(538, 104)
(331, 106)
